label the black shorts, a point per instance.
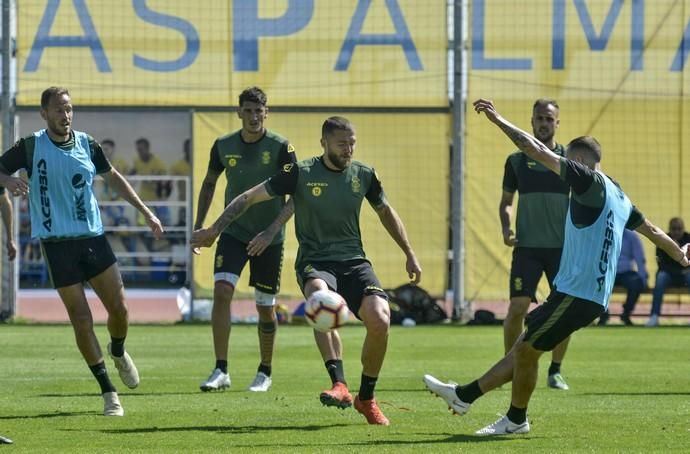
(560, 316)
(527, 267)
(353, 279)
(264, 270)
(70, 262)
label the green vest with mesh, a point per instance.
(327, 207)
(246, 165)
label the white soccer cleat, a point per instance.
(111, 405)
(218, 380)
(126, 368)
(556, 381)
(653, 321)
(504, 426)
(261, 383)
(446, 391)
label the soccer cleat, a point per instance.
(446, 391)
(653, 321)
(556, 381)
(504, 426)
(337, 396)
(5, 441)
(218, 380)
(261, 383)
(126, 368)
(111, 405)
(371, 411)
(625, 318)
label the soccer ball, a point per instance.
(326, 310)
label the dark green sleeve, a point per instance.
(98, 157)
(17, 156)
(635, 219)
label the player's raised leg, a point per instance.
(375, 314)
(109, 288)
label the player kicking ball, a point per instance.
(599, 211)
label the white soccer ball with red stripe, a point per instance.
(326, 310)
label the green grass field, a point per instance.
(630, 392)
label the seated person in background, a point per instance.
(670, 273)
(182, 168)
(147, 164)
(631, 273)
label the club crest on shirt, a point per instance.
(517, 283)
(219, 261)
(266, 157)
(356, 184)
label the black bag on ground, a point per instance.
(412, 301)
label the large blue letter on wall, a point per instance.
(43, 39)
(598, 42)
(191, 37)
(479, 61)
(248, 27)
(682, 52)
(401, 37)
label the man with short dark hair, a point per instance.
(328, 192)
(248, 157)
(599, 211)
(61, 164)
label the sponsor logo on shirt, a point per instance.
(316, 188)
(232, 159)
(605, 251)
(79, 183)
(42, 167)
(219, 261)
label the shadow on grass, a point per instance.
(640, 393)
(224, 429)
(126, 393)
(457, 438)
(57, 414)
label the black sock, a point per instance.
(336, 371)
(266, 370)
(117, 346)
(554, 368)
(517, 415)
(222, 364)
(101, 374)
(469, 393)
(366, 388)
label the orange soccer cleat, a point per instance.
(371, 411)
(337, 396)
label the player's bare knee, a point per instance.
(223, 292)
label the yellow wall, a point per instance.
(410, 154)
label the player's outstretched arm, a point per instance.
(395, 228)
(206, 237)
(262, 240)
(663, 241)
(122, 187)
(6, 210)
(208, 188)
(527, 143)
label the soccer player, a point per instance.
(540, 225)
(328, 192)
(61, 164)
(599, 211)
(247, 157)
